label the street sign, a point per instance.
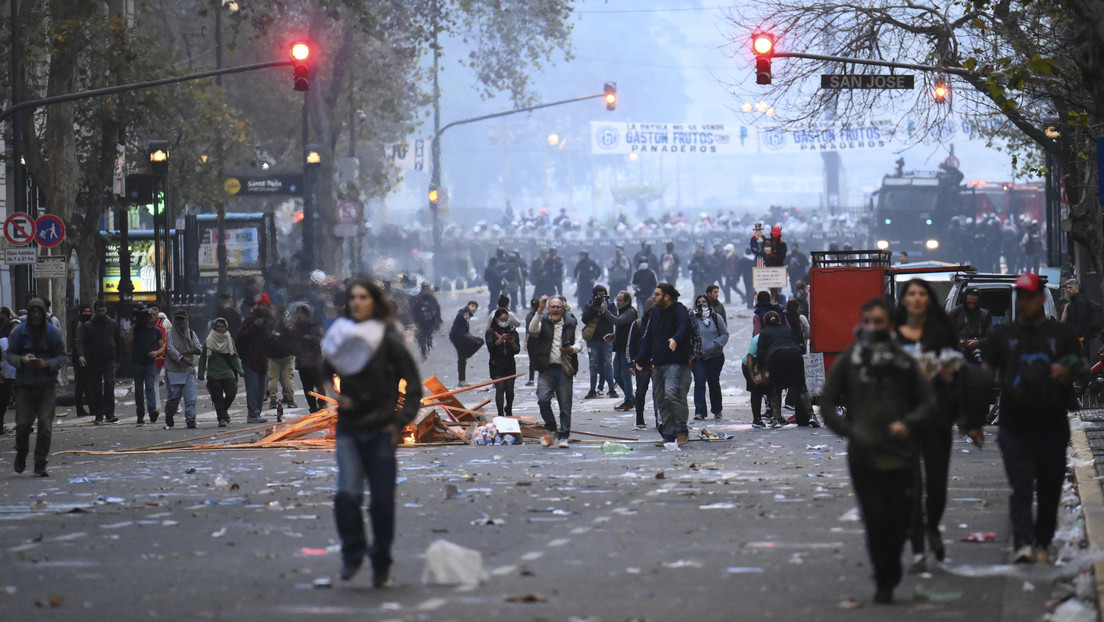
(50, 267)
(49, 231)
(348, 213)
(866, 81)
(271, 185)
(19, 229)
(24, 255)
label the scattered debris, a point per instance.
(527, 598)
(452, 564)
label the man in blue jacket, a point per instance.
(37, 351)
(668, 344)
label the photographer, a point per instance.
(145, 343)
(595, 329)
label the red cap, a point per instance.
(263, 300)
(1028, 282)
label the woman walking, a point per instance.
(503, 344)
(365, 349)
(222, 366)
(707, 369)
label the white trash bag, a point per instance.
(452, 564)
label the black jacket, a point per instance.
(98, 340)
(593, 312)
(501, 361)
(622, 323)
(370, 397)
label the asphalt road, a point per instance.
(762, 526)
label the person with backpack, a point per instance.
(1039, 359)
(1083, 315)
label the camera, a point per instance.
(140, 315)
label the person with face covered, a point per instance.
(221, 365)
(146, 342)
(80, 372)
(97, 347)
(503, 344)
(707, 369)
(37, 351)
(887, 400)
(181, 351)
(251, 346)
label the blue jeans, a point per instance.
(365, 455)
(145, 389)
(181, 384)
(553, 381)
(621, 375)
(670, 385)
(708, 373)
(1035, 463)
(598, 354)
(254, 391)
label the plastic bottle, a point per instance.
(615, 449)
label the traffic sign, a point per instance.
(866, 81)
(348, 213)
(19, 229)
(51, 267)
(49, 230)
(17, 256)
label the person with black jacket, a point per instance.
(367, 352)
(98, 345)
(37, 351)
(466, 344)
(146, 342)
(786, 366)
(621, 317)
(427, 318)
(279, 346)
(972, 324)
(644, 376)
(308, 337)
(586, 273)
(669, 345)
(80, 372)
(887, 401)
(1080, 314)
(503, 344)
(555, 351)
(598, 347)
(1039, 359)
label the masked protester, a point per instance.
(37, 351)
(80, 372)
(221, 365)
(97, 348)
(146, 342)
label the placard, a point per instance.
(773, 277)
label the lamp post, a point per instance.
(159, 167)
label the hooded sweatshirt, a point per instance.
(42, 342)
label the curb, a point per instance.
(1092, 504)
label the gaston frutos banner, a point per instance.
(684, 138)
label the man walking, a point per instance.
(145, 342)
(80, 372)
(182, 350)
(251, 347)
(667, 344)
(1038, 359)
(622, 317)
(555, 353)
(37, 351)
(97, 346)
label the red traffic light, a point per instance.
(300, 54)
(610, 89)
(762, 44)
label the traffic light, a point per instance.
(300, 54)
(611, 95)
(941, 91)
(762, 43)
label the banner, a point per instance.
(687, 138)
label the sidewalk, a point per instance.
(1087, 440)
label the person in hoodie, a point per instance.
(98, 345)
(366, 350)
(80, 373)
(36, 350)
(764, 305)
(887, 400)
(251, 346)
(182, 347)
(707, 369)
(503, 344)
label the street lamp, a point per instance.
(159, 166)
(312, 162)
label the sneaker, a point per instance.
(223, 423)
(97, 421)
(350, 567)
(613, 394)
(153, 416)
(273, 404)
(168, 422)
(758, 423)
(883, 596)
(591, 395)
(640, 426)
(919, 563)
(381, 578)
(716, 416)
(813, 423)
(529, 384)
(257, 420)
(459, 385)
(141, 421)
(20, 462)
(41, 472)
(111, 419)
(680, 439)
(1023, 555)
(190, 425)
(700, 417)
(290, 403)
(1041, 555)
(563, 443)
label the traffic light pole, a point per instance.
(435, 150)
(957, 71)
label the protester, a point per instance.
(1080, 314)
(251, 346)
(756, 382)
(221, 365)
(97, 348)
(146, 342)
(763, 306)
(972, 324)
(503, 344)
(7, 383)
(181, 349)
(619, 270)
(713, 294)
(555, 351)
(533, 304)
(81, 384)
(644, 376)
(280, 352)
(366, 350)
(667, 344)
(644, 282)
(37, 351)
(1038, 359)
(466, 344)
(621, 318)
(227, 312)
(798, 323)
(586, 273)
(595, 329)
(925, 332)
(701, 269)
(427, 318)
(886, 398)
(787, 370)
(706, 369)
(161, 321)
(307, 335)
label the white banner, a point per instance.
(688, 138)
(413, 155)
